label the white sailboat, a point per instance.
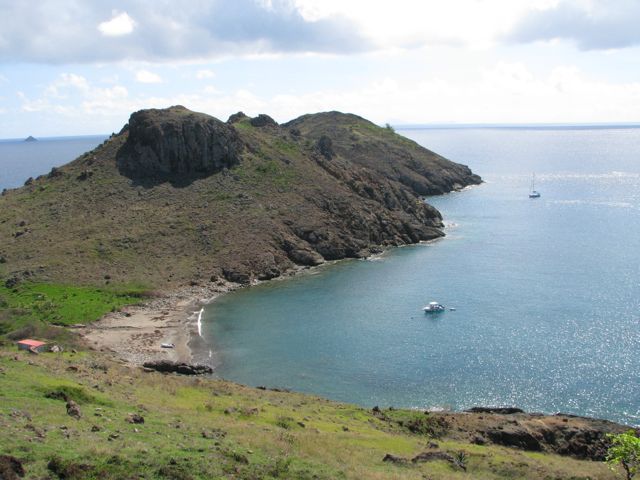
(533, 193)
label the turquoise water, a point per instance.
(546, 291)
(20, 160)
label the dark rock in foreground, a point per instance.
(499, 410)
(10, 468)
(178, 367)
(578, 437)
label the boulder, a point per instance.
(305, 257)
(432, 456)
(134, 418)
(10, 468)
(178, 367)
(390, 458)
(73, 410)
(498, 410)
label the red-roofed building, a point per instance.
(34, 346)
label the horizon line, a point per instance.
(416, 126)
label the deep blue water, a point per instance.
(547, 291)
(20, 160)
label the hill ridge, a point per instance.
(180, 197)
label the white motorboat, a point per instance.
(433, 307)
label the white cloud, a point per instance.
(211, 90)
(505, 93)
(415, 23)
(66, 82)
(54, 31)
(590, 24)
(120, 24)
(204, 74)
(73, 95)
(145, 76)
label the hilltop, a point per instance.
(179, 197)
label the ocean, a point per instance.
(20, 160)
(546, 291)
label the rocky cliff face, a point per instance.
(180, 197)
(176, 143)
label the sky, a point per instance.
(79, 67)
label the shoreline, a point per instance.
(135, 333)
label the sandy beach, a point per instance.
(135, 333)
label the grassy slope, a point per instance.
(33, 306)
(253, 433)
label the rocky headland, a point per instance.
(181, 198)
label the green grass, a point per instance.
(204, 428)
(42, 304)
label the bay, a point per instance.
(546, 291)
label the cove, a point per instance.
(546, 292)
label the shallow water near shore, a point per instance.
(546, 291)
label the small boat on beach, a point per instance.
(433, 307)
(167, 345)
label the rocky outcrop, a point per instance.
(325, 147)
(167, 366)
(263, 120)
(498, 410)
(514, 437)
(236, 117)
(578, 437)
(176, 143)
(426, 457)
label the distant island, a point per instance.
(30, 139)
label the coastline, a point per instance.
(135, 333)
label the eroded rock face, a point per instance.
(176, 143)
